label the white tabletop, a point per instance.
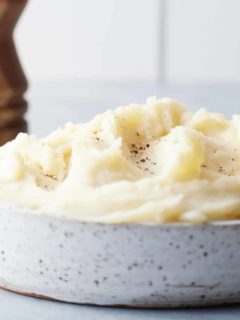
(53, 104)
(17, 307)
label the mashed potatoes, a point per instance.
(151, 163)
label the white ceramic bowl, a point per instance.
(165, 265)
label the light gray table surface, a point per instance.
(55, 103)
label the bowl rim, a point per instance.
(58, 218)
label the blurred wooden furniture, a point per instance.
(13, 83)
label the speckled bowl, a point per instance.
(166, 265)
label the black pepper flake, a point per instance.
(204, 166)
(142, 160)
(220, 169)
(147, 145)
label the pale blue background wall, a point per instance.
(131, 40)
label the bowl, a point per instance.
(167, 265)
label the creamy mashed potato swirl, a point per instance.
(151, 163)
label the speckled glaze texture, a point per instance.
(135, 265)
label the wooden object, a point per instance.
(13, 83)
